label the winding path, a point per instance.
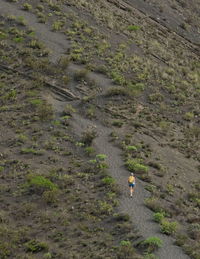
(140, 215)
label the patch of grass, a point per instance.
(168, 227)
(105, 208)
(88, 136)
(109, 181)
(134, 165)
(188, 116)
(50, 196)
(133, 28)
(35, 246)
(89, 150)
(40, 184)
(68, 110)
(31, 151)
(154, 204)
(21, 21)
(158, 216)
(152, 243)
(27, 7)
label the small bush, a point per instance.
(45, 112)
(133, 28)
(105, 208)
(88, 136)
(134, 165)
(63, 62)
(125, 250)
(35, 246)
(125, 243)
(39, 184)
(109, 181)
(194, 231)
(68, 110)
(188, 116)
(31, 151)
(153, 204)
(89, 150)
(152, 243)
(131, 148)
(50, 196)
(158, 217)
(150, 256)
(168, 228)
(27, 7)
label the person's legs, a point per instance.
(131, 190)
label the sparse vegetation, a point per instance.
(152, 102)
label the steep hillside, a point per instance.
(89, 91)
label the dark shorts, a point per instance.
(131, 185)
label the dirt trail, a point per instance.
(140, 215)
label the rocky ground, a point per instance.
(89, 92)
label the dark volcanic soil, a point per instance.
(140, 215)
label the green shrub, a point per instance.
(88, 136)
(105, 208)
(39, 183)
(89, 150)
(133, 28)
(117, 78)
(36, 102)
(27, 7)
(108, 180)
(156, 97)
(57, 25)
(21, 21)
(168, 228)
(158, 216)
(188, 116)
(194, 231)
(31, 151)
(152, 243)
(101, 157)
(50, 196)
(45, 112)
(151, 188)
(35, 246)
(153, 204)
(131, 148)
(125, 243)
(63, 62)
(126, 250)
(5, 250)
(134, 165)
(68, 110)
(150, 256)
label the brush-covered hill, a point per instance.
(132, 69)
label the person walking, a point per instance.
(131, 183)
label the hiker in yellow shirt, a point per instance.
(131, 183)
